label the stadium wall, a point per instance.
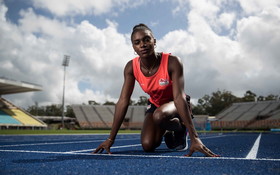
(246, 125)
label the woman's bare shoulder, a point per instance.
(129, 67)
(174, 62)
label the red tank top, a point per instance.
(159, 85)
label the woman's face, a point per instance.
(143, 43)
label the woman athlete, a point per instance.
(168, 114)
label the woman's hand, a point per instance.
(198, 146)
(105, 145)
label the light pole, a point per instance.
(65, 63)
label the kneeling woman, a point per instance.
(168, 115)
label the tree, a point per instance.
(109, 103)
(271, 97)
(50, 110)
(69, 112)
(199, 109)
(53, 110)
(203, 105)
(212, 105)
(92, 102)
(36, 111)
(249, 96)
(131, 102)
(143, 101)
(261, 98)
(220, 100)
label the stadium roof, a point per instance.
(8, 86)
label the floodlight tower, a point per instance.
(65, 63)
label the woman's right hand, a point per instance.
(198, 146)
(105, 145)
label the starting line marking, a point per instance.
(141, 156)
(135, 145)
(90, 141)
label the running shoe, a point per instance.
(176, 140)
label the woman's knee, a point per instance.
(148, 146)
(159, 116)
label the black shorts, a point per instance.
(151, 107)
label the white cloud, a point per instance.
(206, 9)
(257, 6)
(73, 7)
(32, 23)
(34, 49)
(246, 61)
(259, 38)
(226, 20)
(246, 58)
(3, 11)
(85, 7)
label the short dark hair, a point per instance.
(138, 27)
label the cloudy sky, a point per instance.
(231, 45)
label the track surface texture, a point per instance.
(241, 153)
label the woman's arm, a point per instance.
(123, 102)
(120, 108)
(175, 69)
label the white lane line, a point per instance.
(139, 156)
(135, 145)
(54, 143)
(254, 150)
(57, 143)
(73, 142)
(114, 147)
(212, 137)
(89, 134)
(125, 146)
(86, 150)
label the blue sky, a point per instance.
(224, 45)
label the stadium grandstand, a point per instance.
(11, 116)
(249, 115)
(101, 116)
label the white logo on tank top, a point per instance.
(163, 82)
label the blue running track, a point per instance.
(242, 153)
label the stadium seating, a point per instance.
(270, 108)
(250, 115)
(13, 117)
(7, 119)
(137, 116)
(227, 111)
(99, 116)
(22, 117)
(253, 111)
(104, 113)
(275, 114)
